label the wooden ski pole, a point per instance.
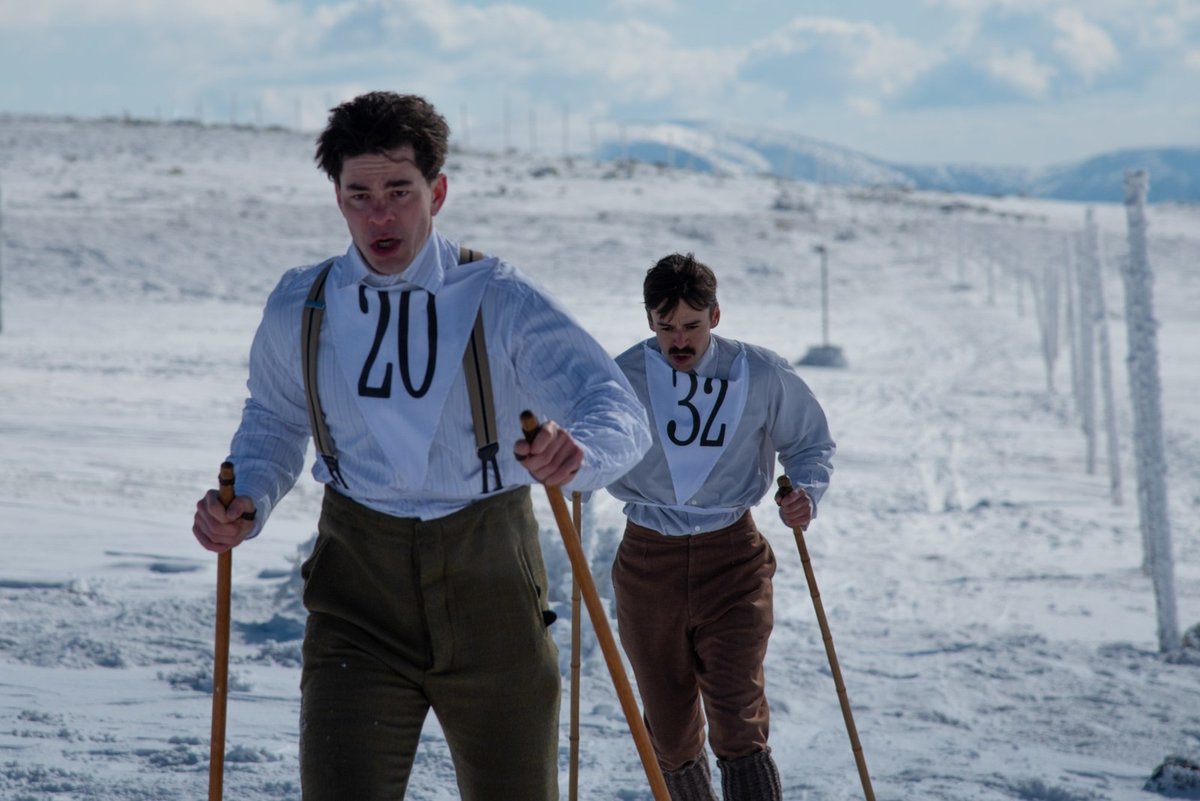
(608, 645)
(573, 738)
(216, 748)
(785, 487)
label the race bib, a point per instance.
(401, 351)
(694, 417)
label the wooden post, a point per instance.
(785, 486)
(608, 645)
(573, 738)
(216, 748)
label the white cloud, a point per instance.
(980, 6)
(1085, 46)
(864, 106)
(20, 14)
(645, 6)
(1191, 59)
(1021, 70)
(878, 60)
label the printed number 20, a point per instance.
(384, 390)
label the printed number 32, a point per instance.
(706, 440)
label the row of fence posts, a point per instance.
(1073, 283)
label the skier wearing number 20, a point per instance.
(692, 575)
(426, 588)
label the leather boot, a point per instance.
(692, 782)
(752, 778)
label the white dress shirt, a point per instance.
(540, 359)
(781, 416)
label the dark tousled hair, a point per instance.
(377, 122)
(677, 278)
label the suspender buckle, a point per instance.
(487, 455)
(335, 469)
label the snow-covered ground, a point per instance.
(995, 630)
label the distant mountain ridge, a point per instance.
(738, 149)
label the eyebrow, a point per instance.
(396, 182)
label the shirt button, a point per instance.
(696, 528)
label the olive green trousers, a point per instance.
(408, 615)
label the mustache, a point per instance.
(681, 351)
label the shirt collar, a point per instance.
(707, 366)
(427, 270)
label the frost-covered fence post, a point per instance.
(1072, 277)
(1147, 411)
(1046, 305)
(1087, 363)
(960, 255)
(1, 259)
(1020, 273)
(1093, 260)
(989, 258)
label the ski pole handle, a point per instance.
(608, 646)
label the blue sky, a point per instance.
(1005, 82)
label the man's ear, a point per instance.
(439, 193)
(715, 317)
(650, 321)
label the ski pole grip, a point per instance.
(785, 487)
(530, 426)
(225, 482)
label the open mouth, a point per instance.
(385, 246)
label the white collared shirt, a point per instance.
(781, 416)
(540, 358)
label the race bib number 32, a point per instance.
(695, 416)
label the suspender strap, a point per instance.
(483, 411)
(479, 390)
(475, 369)
(310, 336)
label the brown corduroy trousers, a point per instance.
(694, 615)
(408, 615)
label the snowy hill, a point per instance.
(994, 628)
(1174, 172)
(742, 150)
(1174, 176)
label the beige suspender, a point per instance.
(479, 390)
(310, 337)
(475, 369)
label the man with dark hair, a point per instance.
(693, 574)
(426, 587)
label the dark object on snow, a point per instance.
(823, 356)
(1176, 777)
(1191, 638)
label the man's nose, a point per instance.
(380, 211)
